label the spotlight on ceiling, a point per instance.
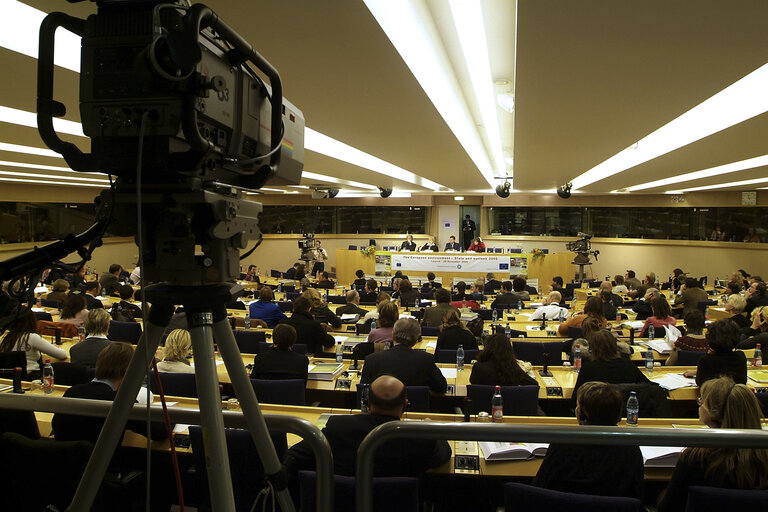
(385, 192)
(324, 193)
(503, 190)
(564, 191)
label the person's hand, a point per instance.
(325, 326)
(689, 373)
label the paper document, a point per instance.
(672, 381)
(533, 328)
(180, 428)
(660, 456)
(660, 346)
(340, 338)
(635, 325)
(449, 373)
(431, 344)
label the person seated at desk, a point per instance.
(280, 361)
(178, 346)
(96, 327)
(110, 280)
(126, 293)
(59, 293)
(620, 286)
(722, 359)
(453, 333)
(320, 310)
(387, 400)
(431, 284)
(398, 275)
(325, 282)
(505, 297)
(589, 326)
(735, 305)
(359, 283)
(265, 309)
(477, 245)
(757, 296)
(478, 290)
(407, 296)
(630, 280)
(370, 294)
(519, 289)
(617, 301)
(433, 317)
(452, 245)
(551, 310)
(308, 330)
(757, 332)
(691, 293)
(643, 305)
(352, 307)
(557, 286)
(723, 404)
(661, 317)
(694, 339)
(606, 364)
(491, 283)
(430, 245)
(388, 315)
(411, 367)
(111, 366)
(74, 311)
(497, 365)
(603, 469)
(593, 307)
(291, 272)
(408, 244)
(92, 289)
(461, 292)
(252, 275)
(22, 335)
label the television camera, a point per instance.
(307, 247)
(583, 249)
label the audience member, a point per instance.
(551, 310)
(491, 283)
(694, 339)
(431, 285)
(620, 286)
(74, 311)
(369, 297)
(593, 307)
(135, 277)
(325, 282)
(609, 310)
(433, 316)
(721, 359)
(352, 307)
(691, 293)
(505, 298)
(291, 272)
(557, 286)
(589, 326)
(59, 293)
(735, 305)
(519, 289)
(606, 364)
(92, 289)
(617, 301)
(320, 310)
(126, 294)
(251, 276)
(22, 335)
(178, 346)
(96, 328)
(281, 362)
(461, 292)
(630, 280)
(308, 330)
(265, 309)
(756, 296)
(359, 283)
(497, 365)
(453, 333)
(407, 296)
(110, 281)
(478, 290)
(388, 315)
(661, 317)
(757, 331)
(643, 305)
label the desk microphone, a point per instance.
(544, 372)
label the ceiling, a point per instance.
(590, 78)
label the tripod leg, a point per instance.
(114, 425)
(211, 419)
(250, 405)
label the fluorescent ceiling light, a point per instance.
(20, 34)
(458, 198)
(352, 194)
(28, 150)
(47, 182)
(738, 102)
(331, 179)
(721, 185)
(24, 118)
(42, 167)
(410, 28)
(468, 20)
(749, 163)
(53, 176)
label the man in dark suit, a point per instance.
(616, 300)
(433, 316)
(352, 307)
(431, 285)
(325, 282)
(408, 244)
(491, 283)
(281, 362)
(308, 330)
(413, 368)
(468, 231)
(505, 298)
(109, 281)
(401, 457)
(370, 294)
(92, 289)
(87, 351)
(291, 272)
(643, 305)
(452, 244)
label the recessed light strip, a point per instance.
(28, 150)
(749, 163)
(331, 179)
(721, 185)
(24, 118)
(352, 194)
(64, 179)
(47, 182)
(738, 102)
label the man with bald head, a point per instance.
(617, 301)
(387, 400)
(352, 307)
(643, 305)
(551, 310)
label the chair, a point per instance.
(430, 331)
(518, 400)
(275, 273)
(689, 357)
(291, 295)
(66, 329)
(513, 333)
(46, 303)
(533, 352)
(498, 250)
(337, 299)
(299, 348)
(575, 332)
(285, 392)
(702, 305)
(245, 465)
(174, 384)
(43, 315)
(14, 359)
(449, 356)
(248, 341)
(19, 422)
(352, 248)
(485, 314)
(653, 399)
(72, 374)
(236, 304)
(124, 331)
(290, 288)
(533, 499)
(359, 352)
(399, 494)
(569, 287)
(285, 306)
(705, 499)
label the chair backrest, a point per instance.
(290, 288)
(236, 304)
(174, 384)
(449, 356)
(361, 350)
(275, 273)
(124, 331)
(533, 352)
(689, 357)
(653, 399)
(518, 400)
(430, 331)
(485, 314)
(72, 374)
(575, 332)
(396, 494)
(50, 303)
(19, 422)
(248, 341)
(245, 465)
(533, 499)
(498, 250)
(66, 329)
(11, 360)
(701, 499)
(43, 315)
(352, 248)
(299, 348)
(337, 299)
(285, 392)
(569, 287)
(285, 306)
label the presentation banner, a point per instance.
(469, 263)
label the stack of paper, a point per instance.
(660, 346)
(660, 456)
(512, 451)
(672, 381)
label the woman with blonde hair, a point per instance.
(723, 404)
(319, 310)
(453, 333)
(178, 346)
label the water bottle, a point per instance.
(494, 316)
(633, 407)
(386, 345)
(460, 359)
(497, 406)
(364, 398)
(39, 302)
(280, 287)
(562, 315)
(507, 330)
(339, 352)
(81, 332)
(373, 324)
(573, 304)
(651, 332)
(577, 358)
(757, 362)
(48, 377)
(519, 306)
(649, 360)
(247, 322)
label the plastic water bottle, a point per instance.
(339, 352)
(757, 362)
(497, 406)
(460, 359)
(577, 358)
(364, 397)
(649, 360)
(373, 324)
(562, 315)
(247, 322)
(519, 306)
(48, 377)
(280, 287)
(573, 304)
(39, 302)
(81, 332)
(494, 316)
(507, 330)
(651, 332)
(633, 407)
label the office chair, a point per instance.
(72, 374)
(174, 384)
(689, 357)
(395, 494)
(704, 499)
(248, 341)
(522, 497)
(299, 348)
(518, 400)
(43, 315)
(533, 352)
(285, 392)
(449, 355)
(129, 332)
